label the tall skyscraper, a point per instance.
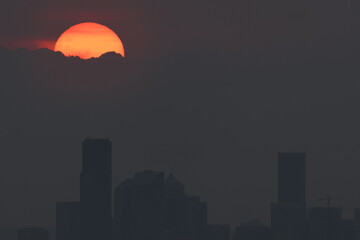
(95, 190)
(291, 178)
(288, 214)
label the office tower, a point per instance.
(196, 217)
(123, 211)
(95, 190)
(291, 178)
(175, 205)
(253, 230)
(186, 216)
(149, 207)
(139, 207)
(67, 220)
(288, 214)
(173, 188)
(33, 234)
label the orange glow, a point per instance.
(87, 40)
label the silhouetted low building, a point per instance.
(8, 233)
(218, 232)
(351, 227)
(186, 216)
(196, 217)
(324, 223)
(139, 207)
(253, 230)
(287, 221)
(175, 207)
(67, 220)
(122, 223)
(148, 207)
(33, 234)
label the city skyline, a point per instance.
(321, 203)
(150, 206)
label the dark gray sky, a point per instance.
(210, 91)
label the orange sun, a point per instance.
(87, 40)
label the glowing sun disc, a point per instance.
(87, 40)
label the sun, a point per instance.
(87, 40)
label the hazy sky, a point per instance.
(149, 27)
(209, 91)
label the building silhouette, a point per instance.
(324, 223)
(150, 207)
(288, 216)
(196, 218)
(288, 221)
(122, 222)
(95, 190)
(291, 178)
(218, 232)
(350, 228)
(33, 233)
(67, 220)
(139, 206)
(146, 207)
(175, 201)
(253, 230)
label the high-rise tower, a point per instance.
(291, 178)
(95, 190)
(288, 214)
